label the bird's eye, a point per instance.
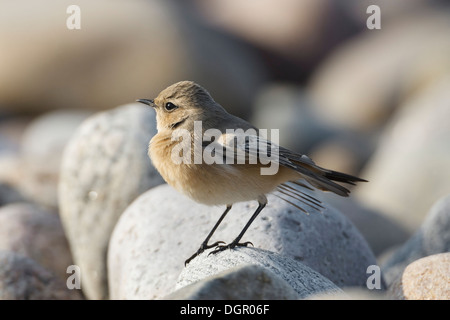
(170, 106)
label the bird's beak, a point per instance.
(148, 102)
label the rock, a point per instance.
(342, 151)
(243, 282)
(11, 170)
(352, 294)
(8, 194)
(104, 168)
(369, 222)
(43, 142)
(424, 279)
(6, 146)
(364, 80)
(11, 132)
(301, 32)
(409, 169)
(161, 224)
(433, 237)
(390, 10)
(298, 127)
(301, 278)
(21, 278)
(134, 51)
(36, 233)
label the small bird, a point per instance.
(180, 108)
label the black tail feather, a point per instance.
(342, 177)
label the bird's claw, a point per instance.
(202, 248)
(230, 246)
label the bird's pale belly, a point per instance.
(220, 184)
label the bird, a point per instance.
(186, 109)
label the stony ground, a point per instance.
(79, 195)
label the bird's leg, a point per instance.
(205, 244)
(235, 243)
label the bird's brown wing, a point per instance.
(255, 147)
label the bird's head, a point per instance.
(180, 104)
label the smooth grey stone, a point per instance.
(433, 237)
(243, 282)
(104, 168)
(37, 233)
(162, 228)
(22, 278)
(409, 170)
(301, 278)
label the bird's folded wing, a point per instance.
(255, 149)
(242, 149)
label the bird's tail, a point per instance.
(319, 178)
(325, 180)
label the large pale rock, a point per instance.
(36, 233)
(301, 278)
(43, 142)
(243, 282)
(424, 279)
(162, 228)
(22, 278)
(409, 170)
(433, 237)
(104, 168)
(366, 78)
(123, 51)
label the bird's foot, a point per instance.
(230, 246)
(202, 248)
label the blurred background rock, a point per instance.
(123, 50)
(368, 102)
